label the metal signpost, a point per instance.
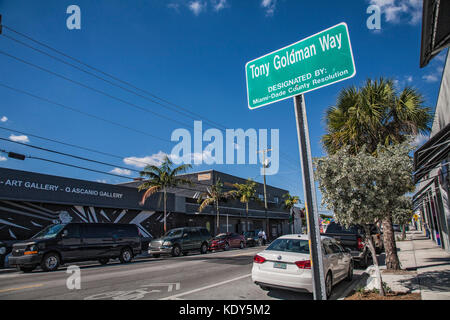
(315, 62)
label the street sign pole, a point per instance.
(310, 198)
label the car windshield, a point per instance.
(49, 232)
(174, 233)
(220, 236)
(290, 245)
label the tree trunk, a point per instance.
(403, 232)
(375, 259)
(246, 216)
(165, 204)
(218, 217)
(392, 261)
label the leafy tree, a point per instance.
(372, 115)
(403, 217)
(213, 195)
(289, 203)
(245, 192)
(160, 179)
(363, 189)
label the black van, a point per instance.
(61, 243)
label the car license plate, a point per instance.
(279, 265)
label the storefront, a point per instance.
(30, 201)
(431, 166)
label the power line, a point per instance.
(92, 88)
(295, 163)
(101, 78)
(102, 72)
(82, 112)
(68, 155)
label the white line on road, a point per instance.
(204, 288)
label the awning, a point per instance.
(435, 29)
(432, 153)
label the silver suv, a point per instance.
(181, 241)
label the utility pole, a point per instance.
(312, 213)
(265, 192)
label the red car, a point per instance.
(225, 241)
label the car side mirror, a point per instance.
(185, 235)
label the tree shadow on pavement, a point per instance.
(437, 280)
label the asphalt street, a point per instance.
(214, 276)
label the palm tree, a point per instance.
(245, 192)
(162, 178)
(213, 195)
(289, 203)
(374, 115)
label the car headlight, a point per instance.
(167, 243)
(2, 250)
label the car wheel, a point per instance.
(156, 255)
(103, 261)
(350, 272)
(50, 262)
(241, 245)
(27, 269)
(204, 248)
(328, 284)
(176, 251)
(126, 255)
(227, 246)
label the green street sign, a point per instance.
(312, 63)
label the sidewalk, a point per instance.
(426, 268)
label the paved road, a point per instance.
(214, 276)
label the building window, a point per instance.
(276, 200)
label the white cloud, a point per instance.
(122, 172)
(397, 11)
(174, 6)
(142, 162)
(101, 180)
(4, 119)
(420, 140)
(430, 78)
(3, 158)
(219, 4)
(197, 7)
(269, 6)
(22, 138)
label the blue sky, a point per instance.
(191, 53)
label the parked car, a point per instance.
(61, 243)
(225, 241)
(3, 254)
(285, 264)
(252, 239)
(353, 238)
(181, 241)
(397, 228)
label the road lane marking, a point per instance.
(204, 288)
(21, 288)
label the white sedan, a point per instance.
(286, 264)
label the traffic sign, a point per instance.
(312, 63)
